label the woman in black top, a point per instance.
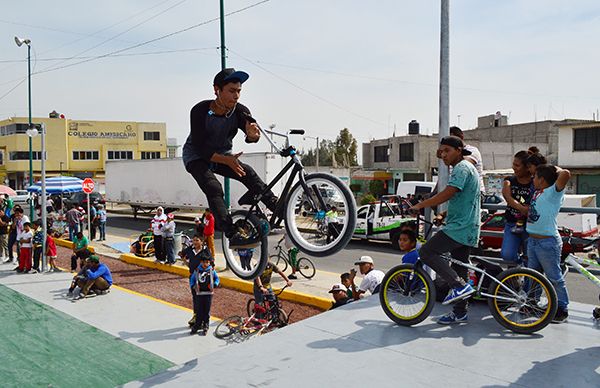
(517, 191)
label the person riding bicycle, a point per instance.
(461, 231)
(262, 284)
(208, 151)
(293, 255)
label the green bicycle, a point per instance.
(282, 259)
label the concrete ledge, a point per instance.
(229, 282)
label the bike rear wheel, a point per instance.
(279, 261)
(237, 259)
(523, 301)
(229, 326)
(306, 267)
(250, 306)
(311, 230)
(407, 294)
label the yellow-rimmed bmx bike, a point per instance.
(520, 299)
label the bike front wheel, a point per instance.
(522, 300)
(329, 224)
(407, 294)
(306, 267)
(247, 263)
(229, 327)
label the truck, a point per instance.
(147, 184)
(381, 221)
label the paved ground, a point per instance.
(357, 346)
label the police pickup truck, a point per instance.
(382, 220)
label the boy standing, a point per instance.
(192, 256)
(25, 250)
(545, 244)
(209, 231)
(461, 231)
(51, 254)
(37, 241)
(203, 281)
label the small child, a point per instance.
(345, 278)
(545, 244)
(25, 251)
(51, 254)
(203, 281)
(408, 244)
(37, 241)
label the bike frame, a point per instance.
(295, 164)
(573, 261)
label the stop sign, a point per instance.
(87, 185)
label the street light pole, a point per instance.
(30, 128)
(44, 215)
(227, 188)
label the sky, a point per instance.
(369, 66)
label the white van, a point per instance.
(414, 188)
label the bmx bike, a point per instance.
(304, 226)
(282, 259)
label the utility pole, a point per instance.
(223, 66)
(444, 103)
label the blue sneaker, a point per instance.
(452, 318)
(458, 293)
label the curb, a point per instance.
(226, 281)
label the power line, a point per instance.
(118, 55)
(308, 91)
(153, 40)
(117, 35)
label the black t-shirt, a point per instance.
(521, 193)
(342, 302)
(4, 229)
(194, 259)
(210, 133)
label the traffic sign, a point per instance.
(87, 185)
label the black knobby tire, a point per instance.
(306, 267)
(233, 263)
(517, 279)
(250, 306)
(294, 233)
(392, 288)
(229, 326)
(283, 318)
(279, 261)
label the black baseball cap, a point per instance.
(456, 142)
(230, 75)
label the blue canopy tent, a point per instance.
(58, 185)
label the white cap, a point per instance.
(364, 259)
(196, 219)
(337, 287)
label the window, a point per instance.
(381, 154)
(24, 155)
(120, 155)
(1, 158)
(171, 152)
(18, 128)
(86, 155)
(151, 135)
(150, 155)
(362, 213)
(407, 152)
(586, 139)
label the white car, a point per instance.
(21, 198)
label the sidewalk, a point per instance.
(318, 286)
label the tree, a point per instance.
(377, 188)
(326, 150)
(346, 149)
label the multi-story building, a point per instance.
(75, 147)
(573, 144)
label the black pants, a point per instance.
(12, 240)
(82, 256)
(456, 276)
(202, 305)
(204, 174)
(159, 247)
(37, 253)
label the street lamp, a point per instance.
(317, 139)
(31, 130)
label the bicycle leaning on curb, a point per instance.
(520, 299)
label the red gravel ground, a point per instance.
(175, 289)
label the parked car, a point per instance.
(80, 199)
(495, 223)
(21, 198)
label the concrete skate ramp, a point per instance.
(357, 345)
